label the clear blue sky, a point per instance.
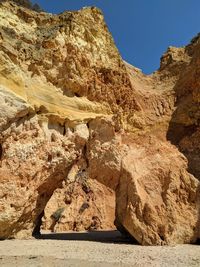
(142, 29)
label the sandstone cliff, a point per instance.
(72, 110)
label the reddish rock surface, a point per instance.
(83, 205)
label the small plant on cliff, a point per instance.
(57, 214)
(84, 206)
(195, 39)
(82, 179)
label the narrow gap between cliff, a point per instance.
(71, 215)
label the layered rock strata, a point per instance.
(72, 109)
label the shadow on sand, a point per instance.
(95, 236)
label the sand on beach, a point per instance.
(94, 249)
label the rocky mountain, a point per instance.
(86, 138)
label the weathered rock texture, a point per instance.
(83, 205)
(79, 126)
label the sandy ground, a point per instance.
(95, 249)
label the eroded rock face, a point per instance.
(79, 126)
(79, 206)
(156, 195)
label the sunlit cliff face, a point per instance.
(72, 110)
